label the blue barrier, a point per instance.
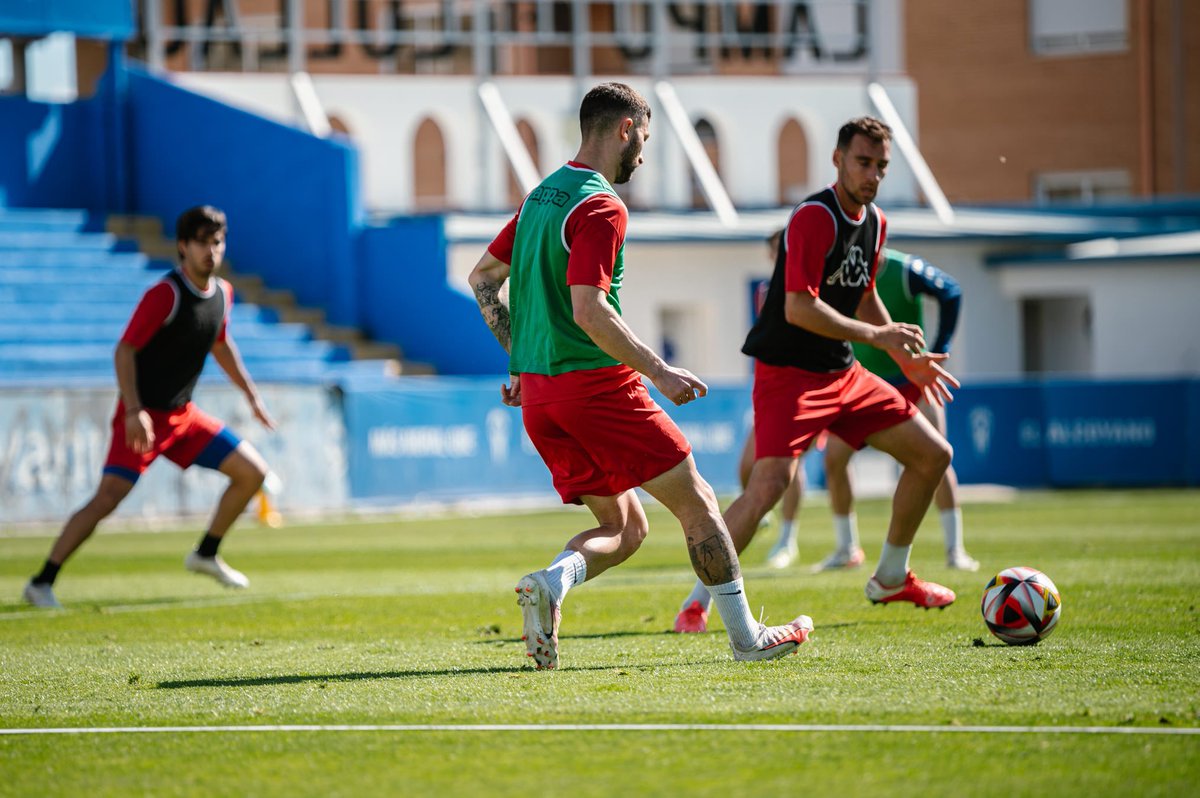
(1126, 433)
(446, 439)
(439, 440)
(1191, 437)
(996, 431)
(1075, 433)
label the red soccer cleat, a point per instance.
(918, 591)
(692, 618)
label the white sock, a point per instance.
(846, 527)
(952, 528)
(568, 569)
(787, 534)
(699, 593)
(893, 564)
(735, 612)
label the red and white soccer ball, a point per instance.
(1021, 606)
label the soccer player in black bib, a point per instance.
(158, 360)
(806, 380)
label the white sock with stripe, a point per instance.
(730, 599)
(568, 569)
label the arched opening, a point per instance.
(515, 192)
(429, 167)
(793, 163)
(708, 139)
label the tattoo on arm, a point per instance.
(494, 313)
(714, 559)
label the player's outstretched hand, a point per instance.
(679, 385)
(924, 369)
(260, 412)
(511, 396)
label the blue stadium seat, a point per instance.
(66, 295)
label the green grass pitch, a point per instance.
(413, 621)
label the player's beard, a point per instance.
(861, 197)
(629, 161)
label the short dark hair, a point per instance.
(196, 224)
(867, 126)
(607, 104)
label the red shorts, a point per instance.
(181, 435)
(792, 406)
(908, 390)
(605, 444)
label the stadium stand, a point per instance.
(66, 293)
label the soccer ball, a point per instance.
(1021, 606)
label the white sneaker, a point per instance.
(776, 641)
(217, 569)
(40, 596)
(541, 616)
(960, 560)
(783, 554)
(841, 558)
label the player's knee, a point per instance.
(769, 486)
(248, 473)
(938, 458)
(635, 531)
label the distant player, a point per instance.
(901, 282)
(576, 372)
(158, 360)
(806, 380)
(786, 549)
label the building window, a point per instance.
(1078, 27)
(516, 193)
(1085, 188)
(429, 168)
(708, 139)
(793, 164)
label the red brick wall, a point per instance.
(992, 115)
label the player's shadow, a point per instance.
(354, 676)
(491, 641)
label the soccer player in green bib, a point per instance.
(576, 373)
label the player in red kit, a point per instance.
(576, 371)
(158, 360)
(806, 380)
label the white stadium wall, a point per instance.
(383, 114)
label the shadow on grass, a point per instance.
(301, 678)
(491, 641)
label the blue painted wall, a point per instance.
(293, 200)
(103, 19)
(48, 157)
(405, 298)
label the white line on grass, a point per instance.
(633, 727)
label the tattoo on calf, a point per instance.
(714, 559)
(494, 313)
